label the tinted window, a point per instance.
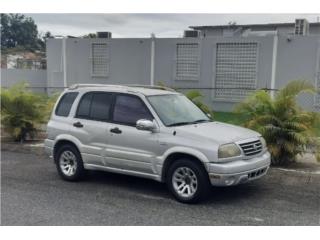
(65, 104)
(129, 109)
(95, 106)
(84, 106)
(100, 106)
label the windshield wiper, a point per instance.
(202, 120)
(179, 124)
(186, 123)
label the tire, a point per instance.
(188, 181)
(69, 163)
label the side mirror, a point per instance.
(145, 125)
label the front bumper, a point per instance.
(239, 171)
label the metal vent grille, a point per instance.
(99, 59)
(251, 148)
(257, 173)
(187, 62)
(236, 69)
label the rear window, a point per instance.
(95, 106)
(65, 104)
(100, 107)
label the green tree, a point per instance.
(287, 128)
(18, 30)
(90, 35)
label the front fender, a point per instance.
(185, 150)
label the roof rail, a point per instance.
(152, 87)
(81, 85)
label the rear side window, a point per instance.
(129, 109)
(65, 104)
(100, 106)
(95, 106)
(84, 106)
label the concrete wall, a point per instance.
(37, 79)
(130, 63)
(297, 59)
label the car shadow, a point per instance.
(155, 189)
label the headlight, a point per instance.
(229, 150)
(263, 142)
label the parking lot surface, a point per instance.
(33, 194)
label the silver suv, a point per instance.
(149, 132)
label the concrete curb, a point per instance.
(34, 148)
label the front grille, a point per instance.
(251, 148)
(256, 173)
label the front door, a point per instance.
(130, 148)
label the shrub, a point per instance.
(287, 128)
(196, 97)
(50, 102)
(21, 111)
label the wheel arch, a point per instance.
(63, 140)
(171, 157)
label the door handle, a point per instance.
(115, 130)
(78, 124)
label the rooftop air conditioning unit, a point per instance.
(191, 34)
(104, 34)
(301, 27)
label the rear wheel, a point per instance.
(69, 163)
(188, 181)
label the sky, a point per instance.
(142, 25)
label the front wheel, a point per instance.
(188, 181)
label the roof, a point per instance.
(250, 25)
(146, 90)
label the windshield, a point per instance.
(177, 109)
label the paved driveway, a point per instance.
(33, 194)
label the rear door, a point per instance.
(130, 148)
(91, 125)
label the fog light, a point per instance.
(229, 181)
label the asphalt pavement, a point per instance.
(33, 194)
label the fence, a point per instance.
(216, 96)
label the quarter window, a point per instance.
(129, 109)
(65, 104)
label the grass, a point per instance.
(229, 117)
(238, 119)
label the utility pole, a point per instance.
(152, 59)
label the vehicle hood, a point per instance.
(216, 131)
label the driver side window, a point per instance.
(128, 109)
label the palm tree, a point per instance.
(287, 128)
(197, 98)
